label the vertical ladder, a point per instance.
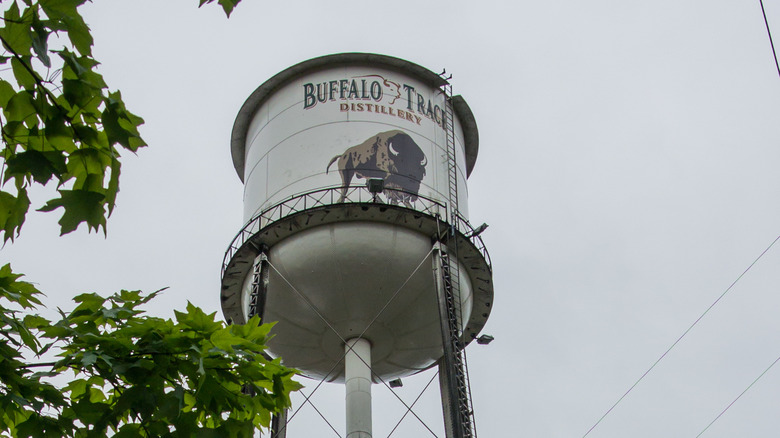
(452, 181)
(457, 373)
(452, 170)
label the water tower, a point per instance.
(357, 238)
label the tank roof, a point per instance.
(264, 91)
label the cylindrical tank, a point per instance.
(344, 258)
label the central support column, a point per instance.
(357, 375)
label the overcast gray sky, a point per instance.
(628, 169)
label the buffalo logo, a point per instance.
(391, 156)
(394, 87)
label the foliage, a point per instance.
(58, 119)
(128, 374)
(135, 375)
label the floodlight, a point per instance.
(484, 339)
(375, 185)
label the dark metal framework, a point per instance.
(453, 367)
(453, 374)
(259, 287)
(354, 195)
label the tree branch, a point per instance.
(37, 365)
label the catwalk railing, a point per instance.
(335, 196)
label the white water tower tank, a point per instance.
(345, 260)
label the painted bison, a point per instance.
(391, 156)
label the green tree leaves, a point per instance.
(131, 375)
(22, 392)
(227, 5)
(80, 206)
(135, 375)
(58, 119)
(12, 210)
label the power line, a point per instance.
(740, 395)
(771, 42)
(682, 336)
(777, 65)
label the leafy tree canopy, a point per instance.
(58, 119)
(128, 374)
(135, 375)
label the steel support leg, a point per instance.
(279, 425)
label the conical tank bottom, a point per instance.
(364, 278)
